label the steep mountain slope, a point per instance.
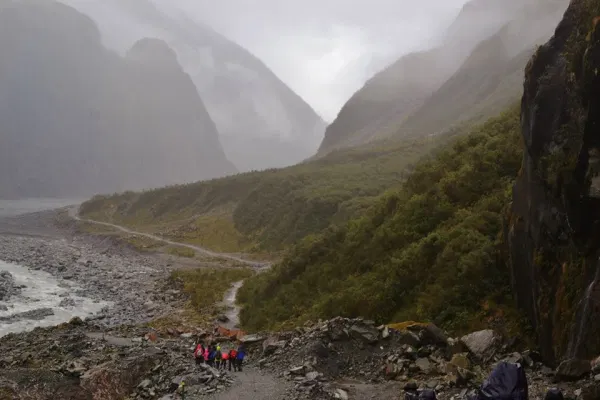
(553, 229)
(492, 76)
(76, 119)
(427, 251)
(261, 121)
(481, 41)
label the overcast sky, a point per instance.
(326, 49)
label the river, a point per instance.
(39, 299)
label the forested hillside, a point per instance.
(428, 251)
(269, 210)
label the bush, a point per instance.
(425, 252)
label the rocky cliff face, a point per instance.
(77, 119)
(553, 230)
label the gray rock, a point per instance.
(366, 333)
(423, 364)
(482, 344)
(8, 286)
(34, 315)
(298, 370)
(340, 394)
(573, 369)
(409, 338)
(311, 376)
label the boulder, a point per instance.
(409, 338)
(460, 360)
(596, 364)
(482, 344)
(366, 333)
(573, 369)
(424, 365)
(271, 345)
(250, 339)
(432, 335)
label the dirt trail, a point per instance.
(251, 384)
(74, 213)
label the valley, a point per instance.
(448, 221)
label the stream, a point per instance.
(39, 299)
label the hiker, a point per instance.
(225, 357)
(241, 353)
(199, 354)
(206, 354)
(218, 357)
(233, 359)
(211, 356)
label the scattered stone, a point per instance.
(364, 332)
(424, 365)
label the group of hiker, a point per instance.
(218, 358)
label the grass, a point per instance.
(207, 286)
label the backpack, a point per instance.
(199, 352)
(506, 382)
(232, 354)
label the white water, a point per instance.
(233, 311)
(43, 291)
(584, 318)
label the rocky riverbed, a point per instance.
(114, 354)
(128, 282)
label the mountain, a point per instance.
(262, 122)
(552, 227)
(425, 92)
(77, 119)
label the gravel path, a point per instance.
(251, 384)
(73, 213)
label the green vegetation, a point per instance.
(270, 210)
(428, 251)
(207, 286)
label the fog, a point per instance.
(324, 50)
(110, 95)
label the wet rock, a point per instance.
(409, 338)
(250, 339)
(298, 370)
(431, 335)
(573, 369)
(459, 360)
(423, 364)
(482, 344)
(365, 333)
(8, 286)
(34, 315)
(596, 364)
(271, 345)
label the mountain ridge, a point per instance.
(262, 123)
(78, 119)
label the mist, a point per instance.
(323, 50)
